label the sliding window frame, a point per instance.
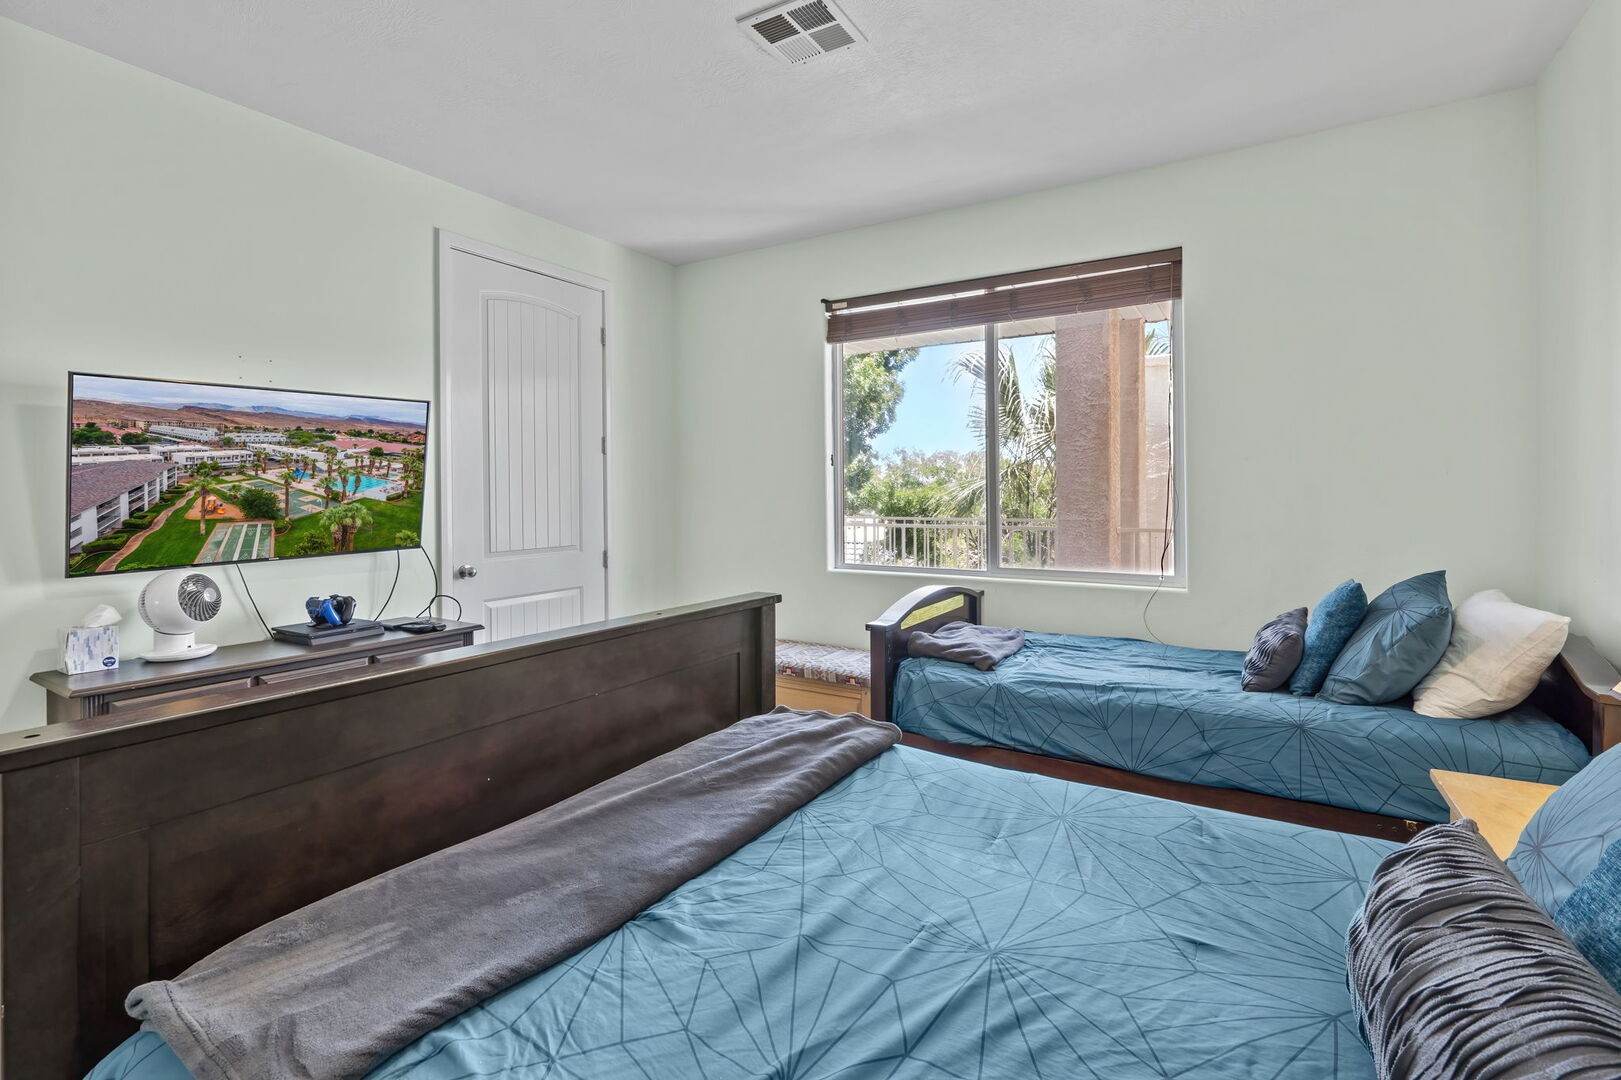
(1173, 576)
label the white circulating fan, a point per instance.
(174, 605)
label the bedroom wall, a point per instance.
(1358, 379)
(152, 229)
(1577, 346)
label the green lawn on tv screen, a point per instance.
(387, 518)
(177, 543)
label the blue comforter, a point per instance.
(1179, 714)
(928, 917)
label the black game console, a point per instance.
(305, 634)
(418, 625)
(421, 626)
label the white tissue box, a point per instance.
(89, 648)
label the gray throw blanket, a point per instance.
(330, 990)
(982, 646)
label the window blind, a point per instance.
(1056, 290)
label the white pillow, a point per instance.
(1499, 649)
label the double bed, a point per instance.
(927, 917)
(1173, 721)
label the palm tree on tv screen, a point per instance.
(412, 472)
(287, 477)
(345, 521)
(204, 479)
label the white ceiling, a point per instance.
(656, 124)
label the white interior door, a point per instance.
(524, 537)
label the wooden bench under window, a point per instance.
(813, 676)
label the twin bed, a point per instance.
(1173, 721)
(922, 916)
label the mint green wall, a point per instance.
(1358, 375)
(1577, 346)
(149, 228)
(1360, 371)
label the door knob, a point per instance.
(466, 570)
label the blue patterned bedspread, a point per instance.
(928, 917)
(1179, 714)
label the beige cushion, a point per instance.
(1499, 649)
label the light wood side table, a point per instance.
(1499, 807)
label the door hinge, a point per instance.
(605, 444)
(605, 560)
(603, 334)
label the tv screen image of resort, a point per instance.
(165, 474)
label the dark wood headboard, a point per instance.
(920, 610)
(131, 848)
(1577, 690)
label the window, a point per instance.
(1042, 402)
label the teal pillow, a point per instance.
(1568, 835)
(1332, 623)
(1591, 917)
(1401, 638)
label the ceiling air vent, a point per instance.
(797, 32)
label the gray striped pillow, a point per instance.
(1276, 652)
(1458, 974)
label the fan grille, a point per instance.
(199, 597)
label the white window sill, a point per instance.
(1164, 585)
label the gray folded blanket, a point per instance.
(331, 990)
(982, 646)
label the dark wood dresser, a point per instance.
(232, 672)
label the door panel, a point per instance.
(513, 616)
(523, 505)
(532, 375)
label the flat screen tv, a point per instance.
(164, 474)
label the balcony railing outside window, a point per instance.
(958, 543)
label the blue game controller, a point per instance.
(331, 610)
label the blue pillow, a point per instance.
(1402, 636)
(1569, 833)
(1591, 916)
(1332, 623)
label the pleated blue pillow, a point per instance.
(1568, 835)
(1402, 636)
(1591, 917)
(1333, 621)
